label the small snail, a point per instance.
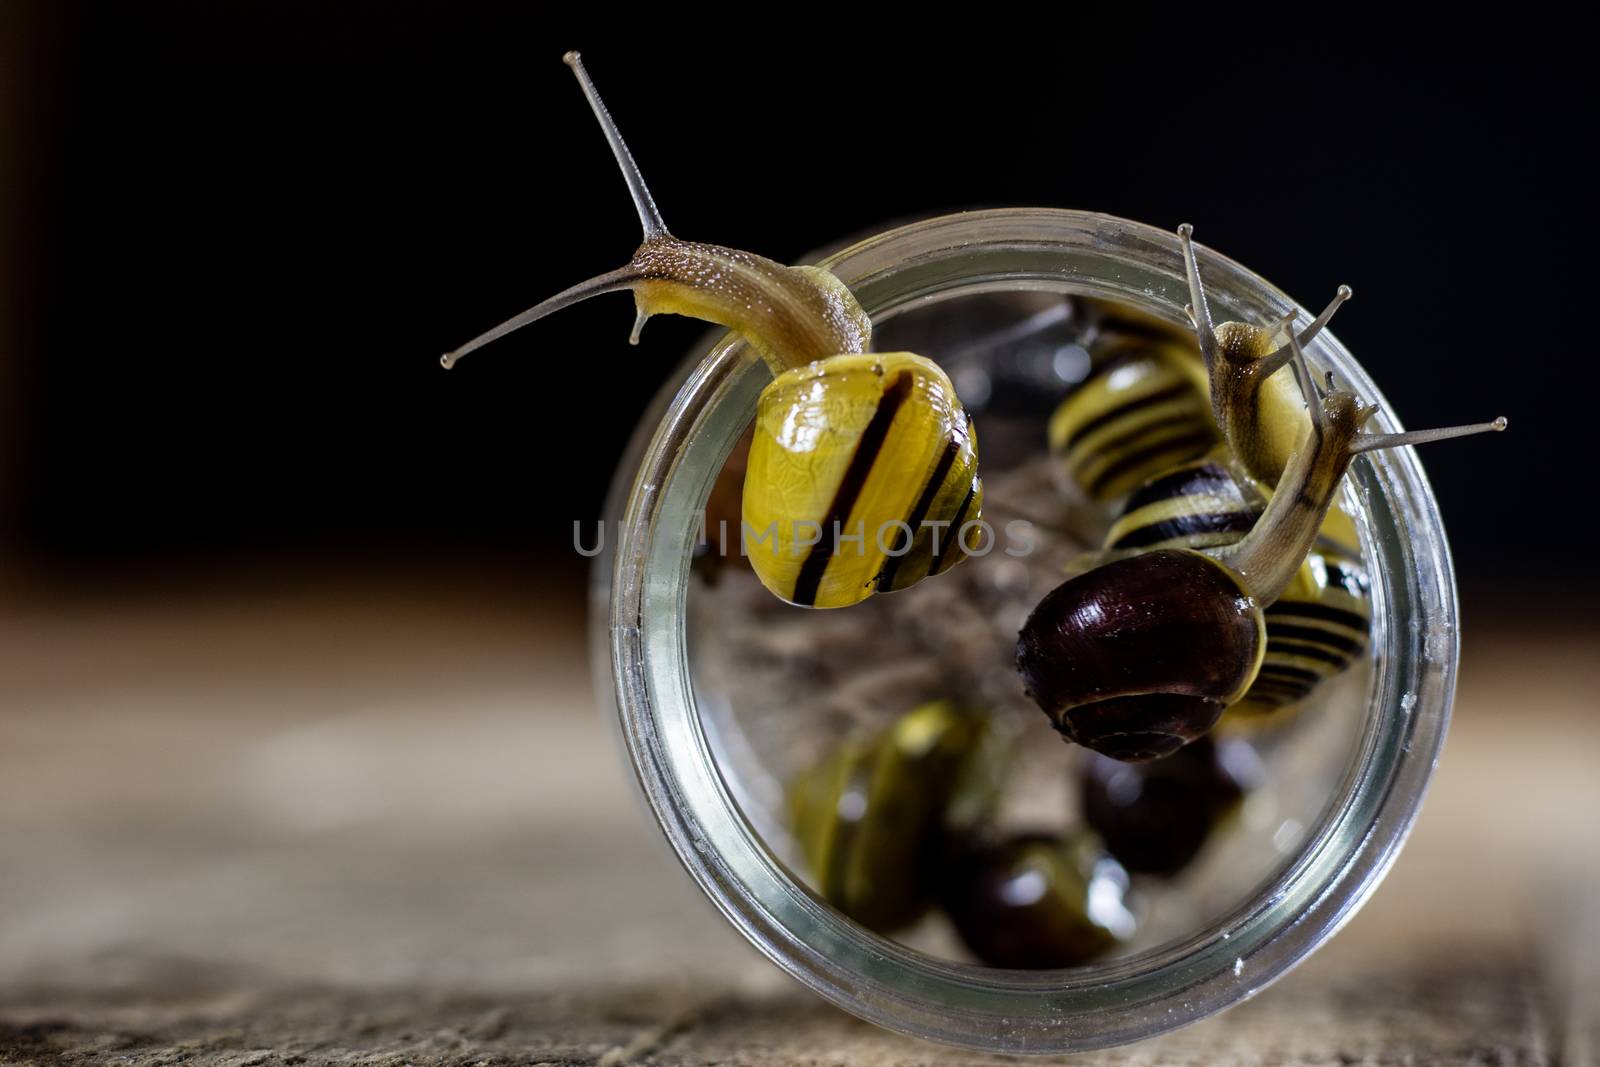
(1140, 655)
(863, 470)
(870, 816)
(1253, 395)
(1038, 902)
(1155, 817)
(1317, 627)
(1141, 409)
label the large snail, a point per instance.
(862, 474)
(1141, 655)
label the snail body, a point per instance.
(1315, 630)
(1317, 627)
(1140, 655)
(1158, 397)
(875, 443)
(1254, 397)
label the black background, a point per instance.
(247, 231)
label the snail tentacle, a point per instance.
(789, 315)
(1318, 324)
(649, 215)
(1257, 411)
(1198, 309)
(610, 282)
(1271, 553)
(1371, 442)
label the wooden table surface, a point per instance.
(330, 822)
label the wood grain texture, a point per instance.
(362, 827)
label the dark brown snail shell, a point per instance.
(1140, 656)
(1037, 902)
(1155, 817)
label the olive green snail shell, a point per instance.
(870, 817)
(862, 478)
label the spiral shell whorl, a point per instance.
(1140, 656)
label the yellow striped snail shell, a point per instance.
(863, 468)
(1316, 629)
(1141, 409)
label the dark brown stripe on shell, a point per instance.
(1191, 442)
(1284, 690)
(1276, 647)
(1144, 429)
(1349, 579)
(1276, 630)
(1190, 481)
(1122, 410)
(937, 564)
(1293, 674)
(1309, 610)
(1185, 526)
(855, 477)
(941, 471)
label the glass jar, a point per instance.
(694, 780)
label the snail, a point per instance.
(1144, 407)
(1141, 409)
(1315, 629)
(870, 816)
(1253, 395)
(862, 475)
(1038, 901)
(1140, 655)
(1155, 817)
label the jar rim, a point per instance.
(638, 608)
